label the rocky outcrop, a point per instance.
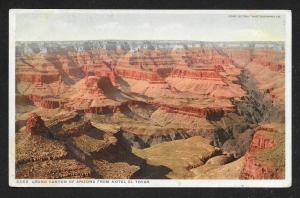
(100, 70)
(150, 76)
(67, 118)
(45, 102)
(75, 128)
(263, 138)
(231, 170)
(35, 125)
(195, 74)
(56, 169)
(91, 85)
(220, 160)
(120, 107)
(88, 96)
(209, 113)
(254, 169)
(146, 141)
(42, 157)
(265, 158)
(50, 104)
(77, 150)
(262, 142)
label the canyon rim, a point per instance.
(128, 96)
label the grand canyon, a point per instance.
(125, 109)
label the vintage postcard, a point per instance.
(150, 98)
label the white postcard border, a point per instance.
(287, 182)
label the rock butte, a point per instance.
(259, 163)
(162, 111)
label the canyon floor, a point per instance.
(198, 112)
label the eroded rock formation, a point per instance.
(101, 100)
(265, 158)
(35, 125)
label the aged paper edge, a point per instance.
(174, 183)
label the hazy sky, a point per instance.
(148, 26)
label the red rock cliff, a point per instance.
(195, 74)
(261, 161)
(139, 75)
(35, 125)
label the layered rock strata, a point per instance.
(111, 96)
(265, 158)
